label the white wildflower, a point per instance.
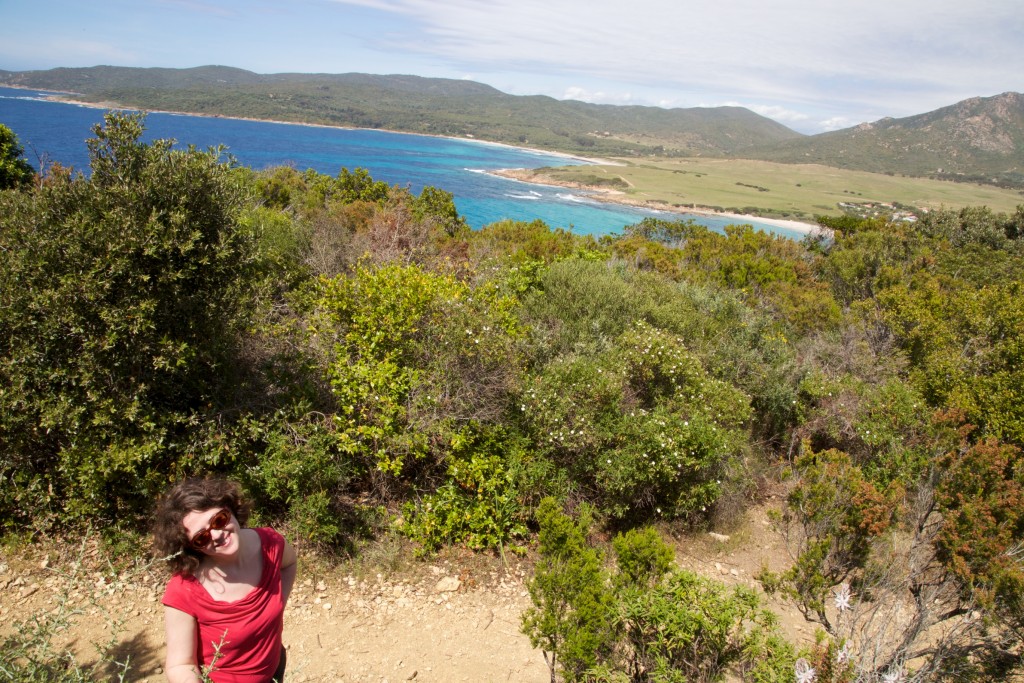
(893, 675)
(805, 673)
(843, 598)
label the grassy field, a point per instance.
(784, 190)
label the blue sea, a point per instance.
(56, 132)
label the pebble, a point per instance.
(448, 584)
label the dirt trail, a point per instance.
(445, 621)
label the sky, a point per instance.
(812, 65)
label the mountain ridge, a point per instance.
(980, 139)
(419, 105)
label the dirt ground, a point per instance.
(454, 619)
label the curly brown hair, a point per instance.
(170, 538)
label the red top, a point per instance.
(250, 628)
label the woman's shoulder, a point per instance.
(179, 591)
(269, 535)
(271, 542)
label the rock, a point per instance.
(448, 584)
(721, 538)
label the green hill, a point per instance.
(419, 105)
(977, 140)
(980, 139)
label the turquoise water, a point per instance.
(54, 131)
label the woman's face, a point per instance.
(213, 532)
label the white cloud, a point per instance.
(773, 111)
(597, 96)
(837, 123)
(874, 54)
(806, 63)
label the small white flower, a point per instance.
(843, 597)
(805, 673)
(893, 675)
(842, 655)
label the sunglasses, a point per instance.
(203, 538)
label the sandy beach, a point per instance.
(611, 196)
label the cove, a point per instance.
(53, 131)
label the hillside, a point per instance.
(977, 140)
(845, 413)
(980, 139)
(419, 105)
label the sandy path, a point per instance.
(437, 621)
(337, 628)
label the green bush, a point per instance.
(641, 428)
(570, 619)
(410, 357)
(14, 170)
(479, 504)
(965, 348)
(581, 307)
(688, 628)
(644, 623)
(121, 299)
(883, 426)
(298, 471)
(642, 558)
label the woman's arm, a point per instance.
(289, 566)
(181, 665)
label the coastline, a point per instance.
(618, 197)
(68, 98)
(520, 174)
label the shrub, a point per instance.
(411, 357)
(928, 579)
(479, 504)
(121, 298)
(642, 557)
(641, 429)
(965, 349)
(14, 170)
(642, 624)
(981, 498)
(691, 629)
(570, 618)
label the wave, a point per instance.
(532, 196)
(575, 198)
(24, 98)
(475, 170)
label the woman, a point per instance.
(224, 604)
